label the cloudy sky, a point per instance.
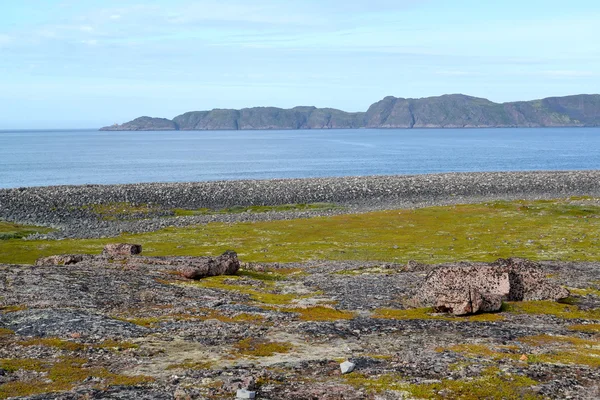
(72, 64)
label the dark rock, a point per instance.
(64, 323)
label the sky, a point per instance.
(86, 64)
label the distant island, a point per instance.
(447, 111)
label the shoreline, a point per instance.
(69, 208)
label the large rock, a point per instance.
(470, 288)
(121, 249)
(528, 281)
(225, 264)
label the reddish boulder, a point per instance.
(470, 288)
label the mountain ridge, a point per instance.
(445, 111)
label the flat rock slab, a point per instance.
(62, 323)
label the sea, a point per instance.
(74, 157)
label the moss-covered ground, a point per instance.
(566, 229)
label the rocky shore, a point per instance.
(73, 210)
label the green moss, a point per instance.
(9, 230)
(320, 313)
(63, 374)
(13, 308)
(53, 342)
(377, 383)
(544, 340)
(426, 313)
(266, 295)
(560, 310)
(491, 386)
(538, 230)
(260, 347)
(6, 332)
(585, 292)
(589, 328)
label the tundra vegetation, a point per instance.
(313, 292)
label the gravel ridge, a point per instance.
(64, 207)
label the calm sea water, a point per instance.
(37, 158)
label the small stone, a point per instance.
(245, 394)
(524, 357)
(347, 367)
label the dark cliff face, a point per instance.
(447, 111)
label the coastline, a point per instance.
(69, 208)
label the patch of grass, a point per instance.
(546, 307)
(320, 313)
(585, 292)
(428, 313)
(266, 295)
(588, 328)
(260, 347)
(6, 332)
(180, 212)
(544, 340)
(538, 230)
(564, 350)
(12, 308)
(491, 386)
(53, 342)
(377, 383)
(62, 374)
(9, 230)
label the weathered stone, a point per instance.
(64, 259)
(121, 249)
(471, 288)
(346, 367)
(245, 394)
(528, 281)
(225, 264)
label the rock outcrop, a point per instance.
(447, 111)
(188, 267)
(471, 288)
(63, 259)
(225, 264)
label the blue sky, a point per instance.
(71, 64)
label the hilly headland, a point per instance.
(447, 111)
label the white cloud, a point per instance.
(115, 16)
